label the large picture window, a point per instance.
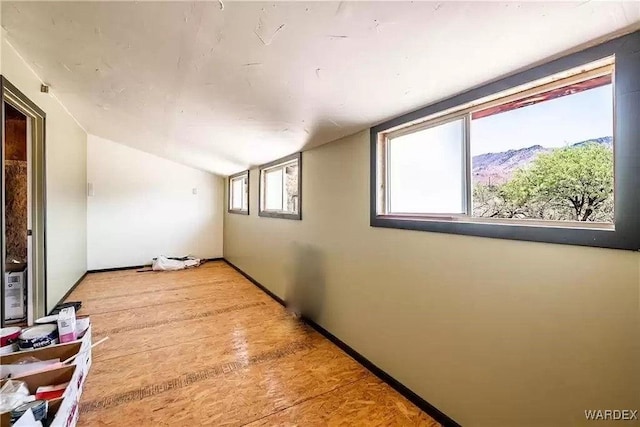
(239, 193)
(280, 188)
(540, 159)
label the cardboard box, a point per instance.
(62, 412)
(65, 412)
(58, 351)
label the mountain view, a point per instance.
(498, 168)
(573, 183)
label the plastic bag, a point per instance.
(163, 263)
(13, 394)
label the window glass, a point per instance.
(546, 157)
(273, 189)
(425, 170)
(237, 193)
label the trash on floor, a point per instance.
(163, 263)
(36, 387)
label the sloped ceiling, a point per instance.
(223, 86)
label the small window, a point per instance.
(542, 154)
(280, 188)
(239, 193)
(549, 154)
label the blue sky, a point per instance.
(556, 123)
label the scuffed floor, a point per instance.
(206, 347)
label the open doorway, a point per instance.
(16, 216)
(23, 290)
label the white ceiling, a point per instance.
(223, 87)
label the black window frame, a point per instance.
(626, 133)
(246, 173)
(281, 215)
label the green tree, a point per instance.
(570, 183)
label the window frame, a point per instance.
(282, 162)
(230, 209)
(626, 134)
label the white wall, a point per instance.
(66, 144)
(143, 206)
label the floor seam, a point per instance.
(364, 375)
(144, 306)
(153, 291)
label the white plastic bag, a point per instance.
(163, 263)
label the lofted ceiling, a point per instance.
(226, 85)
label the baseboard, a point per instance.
(137, 267)
(428, 408)
(107, 270)
(75, 285)
(255, 282)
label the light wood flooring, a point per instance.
(207, 347)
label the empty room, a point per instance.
(320, 213)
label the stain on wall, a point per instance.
(15, 178)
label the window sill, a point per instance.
(280, 215)
(237, 212)
(586, 225)
(603, 236)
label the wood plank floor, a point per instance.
(207, 347)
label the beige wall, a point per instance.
(66, 166)
(491, 332)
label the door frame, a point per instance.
(12, 95)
